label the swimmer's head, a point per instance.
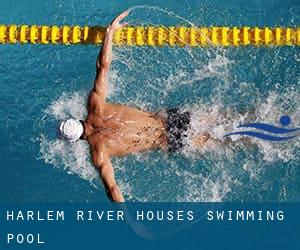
(70, 130)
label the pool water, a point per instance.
(43, 84)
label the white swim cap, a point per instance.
(70, 130)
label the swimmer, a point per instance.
(114, 130)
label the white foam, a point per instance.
(72, 157)
(200, 188)
(68, 105)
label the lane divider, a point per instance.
(152, 35)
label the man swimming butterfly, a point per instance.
(117, 130)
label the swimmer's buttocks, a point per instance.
(177, 124)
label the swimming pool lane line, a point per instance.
(152, 35)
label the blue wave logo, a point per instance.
(279, 133)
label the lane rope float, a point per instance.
(152, 35)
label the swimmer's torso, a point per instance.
(124, 130)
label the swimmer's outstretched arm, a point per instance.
(105, 56)
(103, 164)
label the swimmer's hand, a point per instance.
(115, 24)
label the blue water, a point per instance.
(42, 84)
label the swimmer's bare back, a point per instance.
(113, 129)
(123, 130)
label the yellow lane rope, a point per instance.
(152, 35)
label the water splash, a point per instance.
(74, 158)
(192, 185)
(215, 85)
